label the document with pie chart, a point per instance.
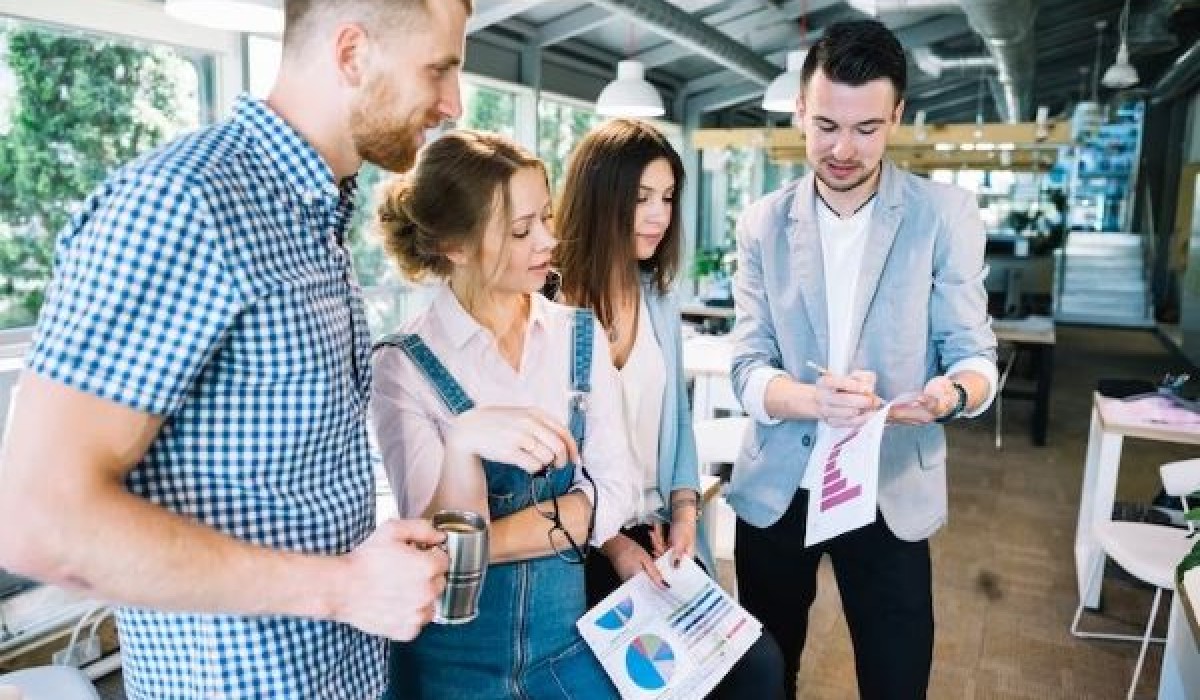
(668, 643)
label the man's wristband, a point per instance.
(960, 406)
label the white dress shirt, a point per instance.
(411, 422)
(842, 244)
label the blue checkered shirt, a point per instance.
(207, 283)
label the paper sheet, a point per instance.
(843, 478)
(675, 643)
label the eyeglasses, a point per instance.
(561, 541)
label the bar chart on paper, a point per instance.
(843, 490)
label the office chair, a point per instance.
(1150, 553)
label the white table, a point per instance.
(1101, 467)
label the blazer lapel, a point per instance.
(885, 224)
(808, 263)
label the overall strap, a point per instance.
(447, 387)
(581, 362)
(582, 341)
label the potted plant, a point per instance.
(1192, 560)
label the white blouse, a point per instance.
(410, 422)
(643, 384)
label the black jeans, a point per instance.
(756, 676)
(886, 589)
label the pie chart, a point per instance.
(617, 616)
(650, 662)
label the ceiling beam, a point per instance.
(697, 37)
(724, 98)
(486, 17)
(572, 25)
(734, 22)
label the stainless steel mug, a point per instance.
(467, 546)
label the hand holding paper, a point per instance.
(934, 401)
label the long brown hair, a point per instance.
(597, 210)
(459, 183)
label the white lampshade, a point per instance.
(781, 94)
(252, 16)
(1121, 74)
(630, 95)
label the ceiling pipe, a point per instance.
(934, 65)
(875, 8)
(672, 23)
(1178, 77)
(1006, 27)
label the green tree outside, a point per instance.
(560, 127)
(81, 107)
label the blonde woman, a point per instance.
(475, 398)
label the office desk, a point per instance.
(715, 319)
(1035, 334)
(1109, 428)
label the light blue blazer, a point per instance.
(920, 308)
(678, 465)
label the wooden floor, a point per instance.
(1004, 575)
(1003, 567)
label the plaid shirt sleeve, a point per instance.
(140, 299)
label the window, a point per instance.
(560, 126)
(74, 106)
(489, 108)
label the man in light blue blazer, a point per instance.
(857, 283)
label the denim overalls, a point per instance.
(524, 643)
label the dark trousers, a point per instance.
(886, 589)
(758, 675)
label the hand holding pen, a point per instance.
(845, 401)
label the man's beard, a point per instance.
(391, 147)
(847, 188)
(379, 137)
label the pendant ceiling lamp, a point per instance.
(783, 91)
(1121, 74)
(630, 95)
(781, 94)
(250, 16)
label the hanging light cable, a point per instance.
(781, 94)
(1121, 74)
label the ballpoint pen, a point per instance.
(815, 367)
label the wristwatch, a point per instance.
(959, 407)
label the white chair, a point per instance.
(50, 683)
(706, 361)
(1148, 552)
(717, 442)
